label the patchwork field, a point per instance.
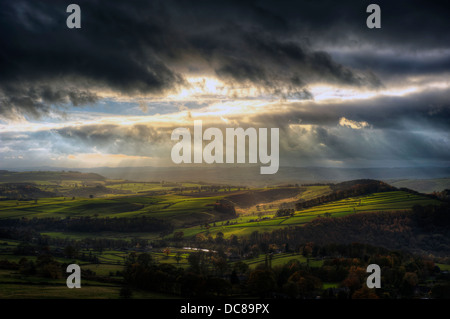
(166, 206)
(180, 218)
(387, 201)
(190, 210)
(282, 259)
(110, 263)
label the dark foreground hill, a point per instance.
(424, 230)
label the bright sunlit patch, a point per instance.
(210, 88)
(353, 124)
(238, 107)
(206, 85)
(326, 92)
(301, 127)
(332, 93)
(199, 87)
(94, 159)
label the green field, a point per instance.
(388, 201)
(178, 208)
(444, 267)
(282, 259)
(110, 262)
(190, 212)
(142, 187)
(16, 286)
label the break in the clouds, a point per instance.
(149, 47)
(111, 92)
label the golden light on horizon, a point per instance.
(107, 159)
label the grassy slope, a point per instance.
(17, 286)
(174, 207)
(195, 210)
(389, 201)
(157, 206)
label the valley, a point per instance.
(204, 229)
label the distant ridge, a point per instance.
(17, 177)
(250, 176)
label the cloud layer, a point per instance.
(341, 94)
(149, 47)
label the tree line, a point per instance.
(345, 190)
(90, 225)
(209, 276)
(425, 229)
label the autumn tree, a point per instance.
(355, 278)
(307, 285)
(220, 264)
(178, 257)
(178, 236)
(200, 238)
(198, 262)
(219, 237)
(261, 282)
(365, 293)
(167, 251)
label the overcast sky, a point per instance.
(110, 93)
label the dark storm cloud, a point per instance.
(364, 146)
(403, 128)
(115, 49)
(116, 139)
(414, 38)
(264, 60)
(427, 110)
(410, 25)
(393, 64)
(139, 47)
(147, 46)
(36, 99)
